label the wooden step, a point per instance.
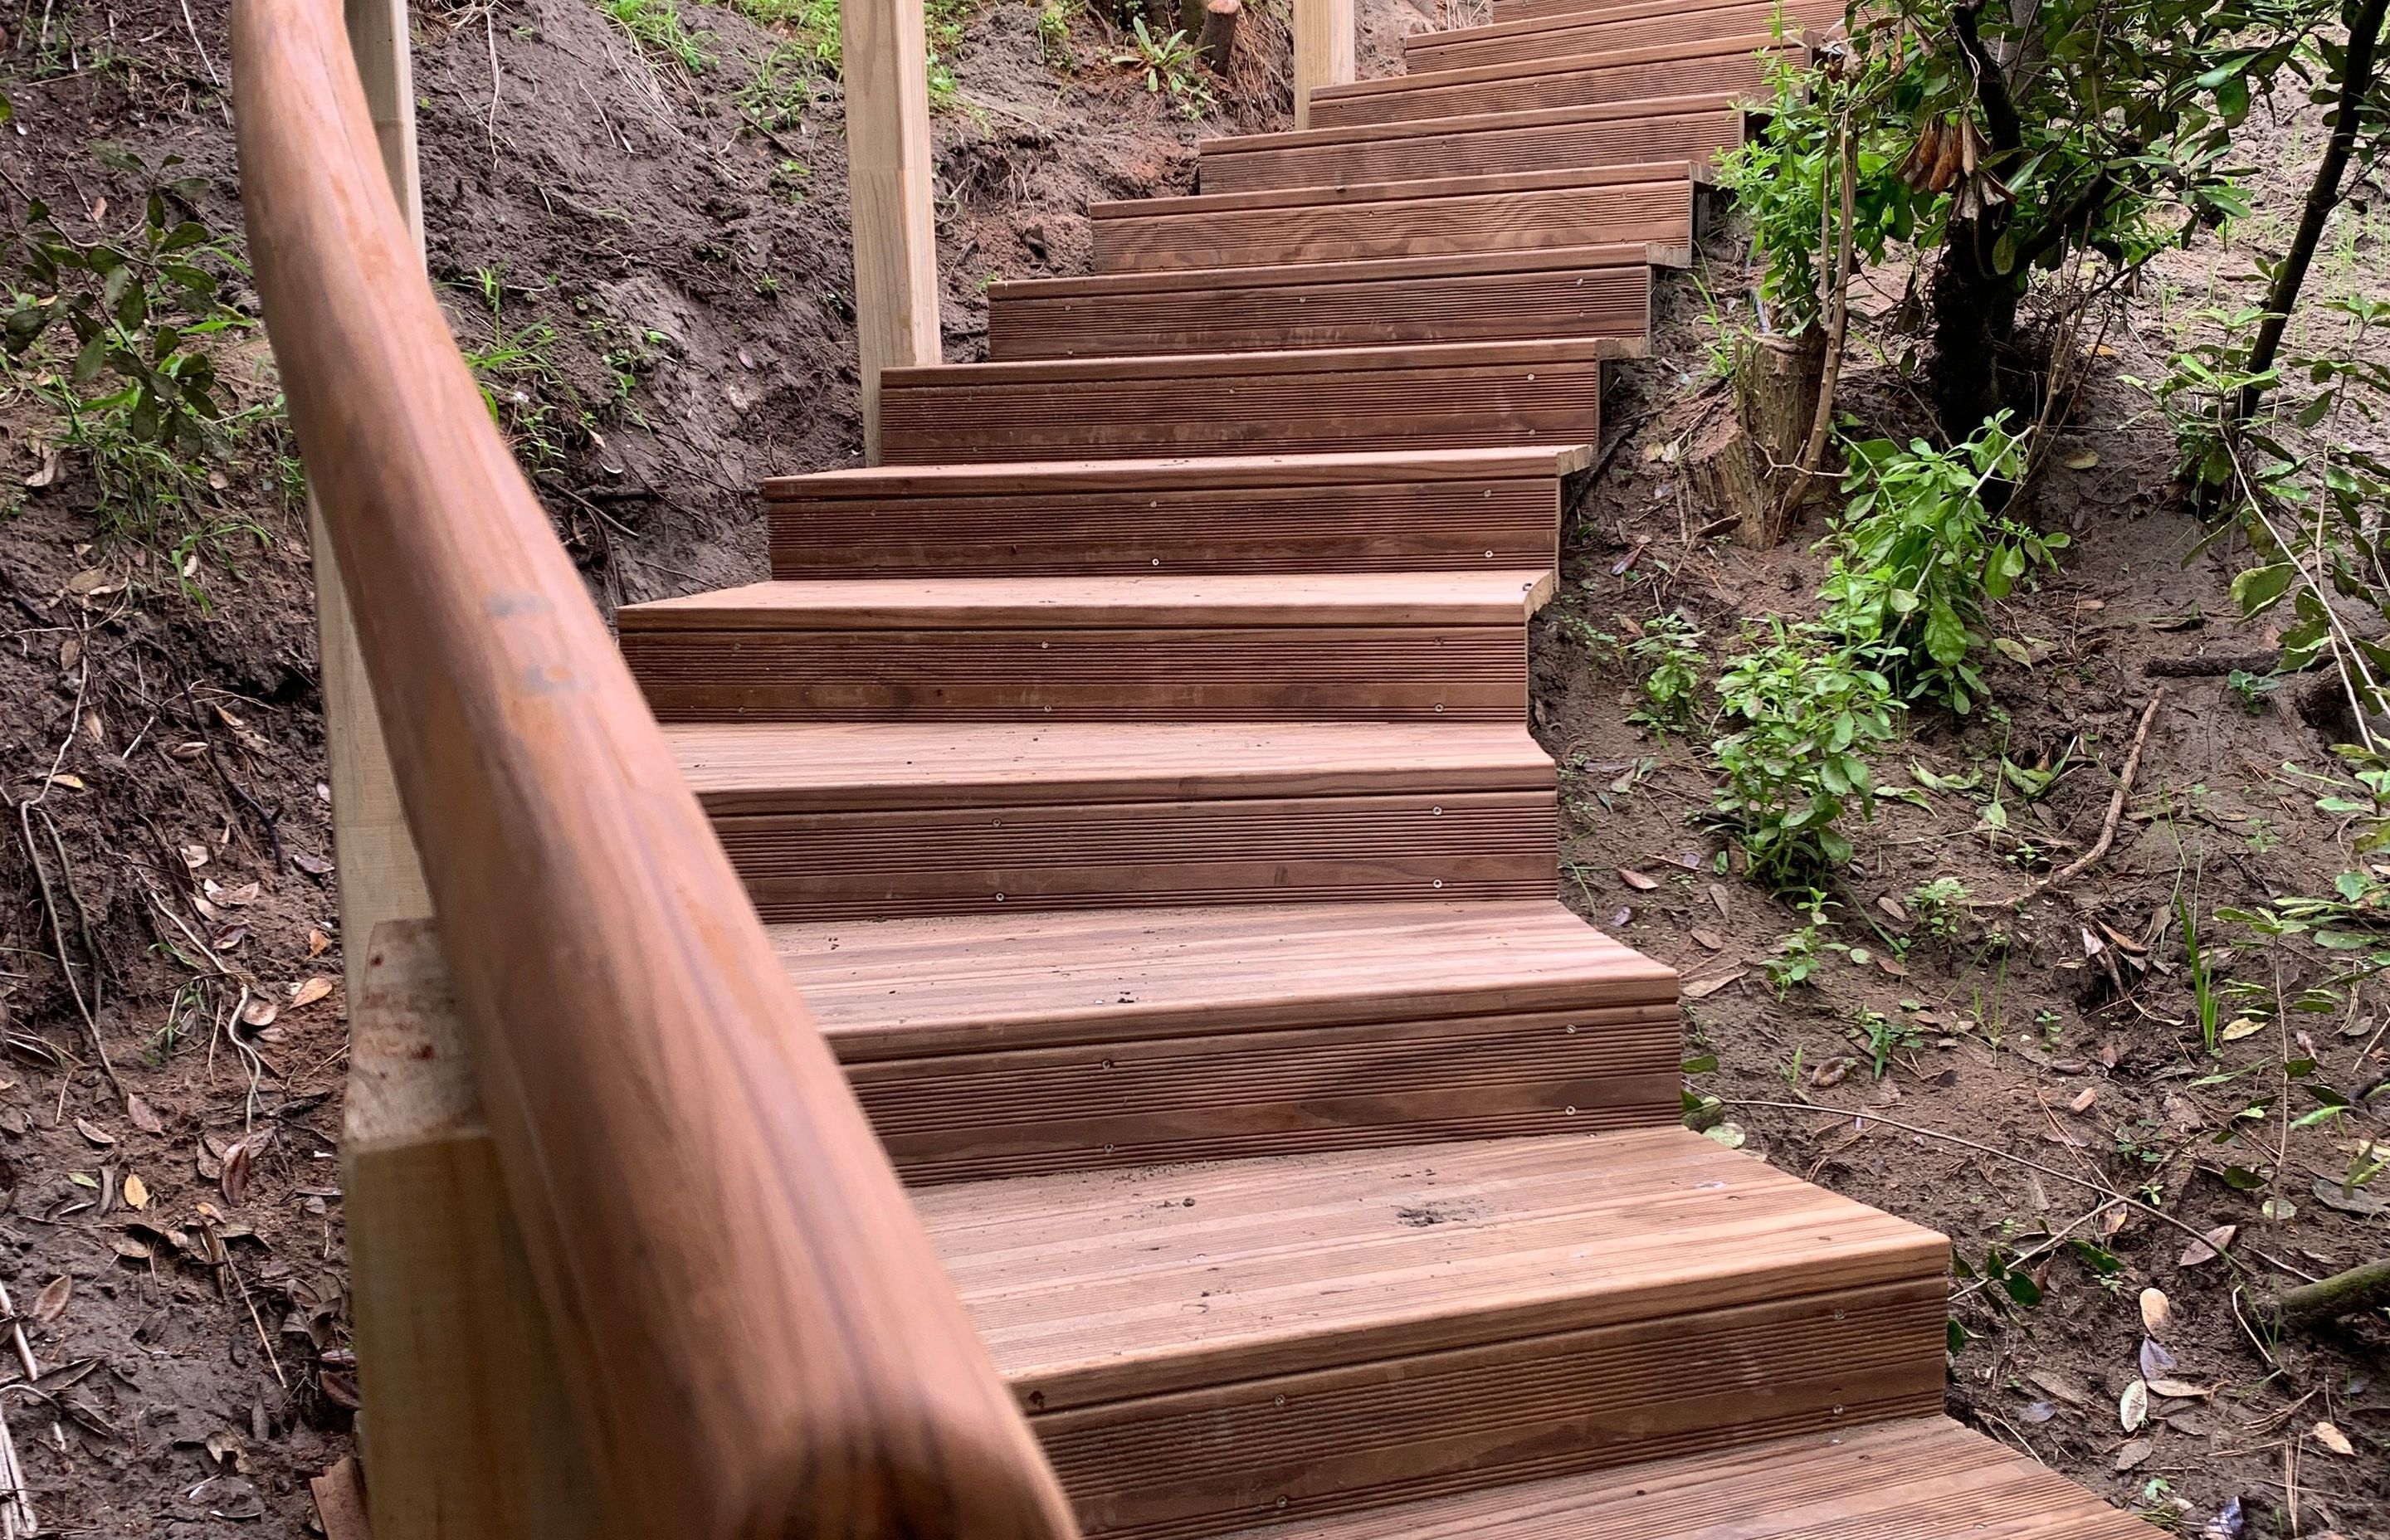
(1450, 396)
(1007, 1044)
(1352, 646)
(1453, 216)
(1203, 1348)
(856, 820)
(1688, 129)
(1518, 10)
(1422, 510)
(1648, 24)
(1915, 1478)
(1729, 65)
(1511, 296)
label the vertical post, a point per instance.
(886, 57)
(1323, 50)
(381, 878)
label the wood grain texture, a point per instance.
(1652, 23)
(1430, 510)
(891, 167)
(1914, 1478)
(1576, 292)
(1688, 129)
(1455, 216)
(670, 1126)
(1457, 396)
(1729, 65)
(914, 989)
(468, 1425)
(1323, 49)
(1516, 10)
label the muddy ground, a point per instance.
(646, 254)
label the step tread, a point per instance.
(1632, 10)
(1396, 192)
(769, 767)
(1178, 366)
(1103, 602)
(893, 989)
(1662, 20)
(1470, 123)
(1915, 1478)
(1610, 58)
(1093, 1287)
(1177, 471)
(1366, 269)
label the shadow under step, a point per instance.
(1419, 511)
(1204, 1348)
(1648, 24)
(1370, 647)
(1734, 66)
(1009, 1044)
(1313, 401)
(854, 820)
(1917, 1479)
(1511, 296)
(1453, 216)
(1691, 130)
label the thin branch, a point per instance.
(2115, 805)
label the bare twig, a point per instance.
(2115, 806)
(1838, 327)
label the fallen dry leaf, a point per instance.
(260, 1012)
(306, 992)
(2135, 1451)
(2157, 1312)
(318, 944)
(95, 1133)
(2133, 1407)
(314, 865)
(2080, 459)
(136, 1192)
(52, 1303)
(2210, 1245)
(2332, 1438)
(234, 1182)
(144, 1116)
(2082, 1103)
(1636, 880)
(1719, 897)
(2180, 1389)
(1710, 939)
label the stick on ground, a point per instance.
(2115, 805)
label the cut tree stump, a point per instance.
(1741, 462)
(1217, 41)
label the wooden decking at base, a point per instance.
(1134, 772)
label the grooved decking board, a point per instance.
(1648, 24)
(1326, 646)
(1516, 10)
(1691, 130)
(1463, 215)
(1915, 1478)
(1729, 65)
(1461, 396)
(1432, 509)
(1579, 292)
(1197, 1343)
(745, 769)
(1252, 1093)
(916, 989)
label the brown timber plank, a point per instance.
(1325, 646)
(1914, 1478)
(1517, 10)
(1462, 215)
(1731, 65)
(1650, 24)
(1457, 396)
(1215, 1344)
(1439, 509)
(1686, 129)
(1578, 291)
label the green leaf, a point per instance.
(2260, 588)
(91, 359)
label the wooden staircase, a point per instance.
(1134, 773)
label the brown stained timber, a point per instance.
(750, 1323)
(1454, 396)
(1729, 65)
(1577, 291)
(1518, 10)
(1455, 216)
(1652, 23)
(1430, 510)
(1691, 130)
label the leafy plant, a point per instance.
(1668, 660)
(662, 37)
(1808, 711)
(1940, 908)
(1885, 1035)
(1917, 555)
(1170, 66)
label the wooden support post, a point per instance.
(381, 878)
(889, 167)
(1323, 50)
(467, 1433)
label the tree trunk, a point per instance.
(1218, 39)
(1743, 463)
(1974, 309)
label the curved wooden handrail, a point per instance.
(755, 1330)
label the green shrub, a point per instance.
(1808, 713)
(1667, 662)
